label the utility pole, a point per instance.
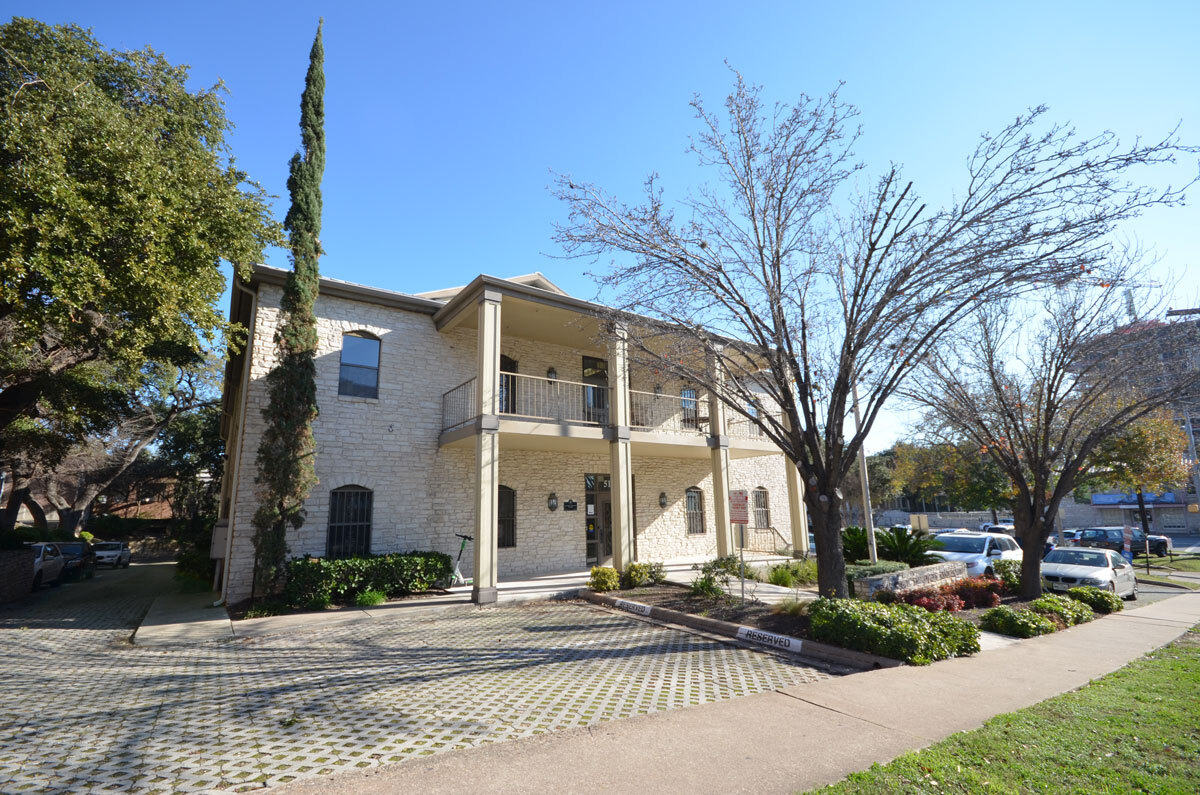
(868, 522)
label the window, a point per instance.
(762, 508)
(690, 406)
(508, 386)
(507, 524)
(694, 502)
(359, 376)
(349, 522)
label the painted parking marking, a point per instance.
(769, 638)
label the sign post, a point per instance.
(739, 514)
(1127, 552)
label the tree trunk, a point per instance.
(827, 532)
(8, 518)
(35, 510)
(1030, 529)
(995, 518)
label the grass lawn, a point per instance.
(1135, 730)
(1188, 562)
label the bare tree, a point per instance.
(1040, 388)
(775, 294)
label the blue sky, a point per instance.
(445, 120)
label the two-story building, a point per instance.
(495, 411)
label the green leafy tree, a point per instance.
(118, 200)
(920, 470)
(974, 482)
(1149, 455)
(285, 455)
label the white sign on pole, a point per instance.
(739, 507)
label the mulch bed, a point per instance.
(752, 614)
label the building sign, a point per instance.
(739, 507)
(570, 505)
(1149, 497)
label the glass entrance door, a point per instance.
(598, 519)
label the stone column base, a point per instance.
(484, 596)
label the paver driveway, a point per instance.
(248, 713)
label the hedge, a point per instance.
(313, 582)
(1100, 600)
(901, 632)
(865, 568)
(1069, 611)
(1016, 623)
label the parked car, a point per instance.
(1064, 569)
(49, 565)
(80, 558)
(112, 553)
(977, 550)
(1070, 537)
(1114, 538)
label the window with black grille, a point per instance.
(762, 508)
(349, 522)
(694, 503)
(507, 522)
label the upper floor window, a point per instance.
(689, 404)
(762, 508)
(359, 376)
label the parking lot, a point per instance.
(86, 711)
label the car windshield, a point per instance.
(1077, 557)
(108, 546)
(953, 543)
(74, 549)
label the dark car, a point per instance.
(80, 557)
(1114, 538)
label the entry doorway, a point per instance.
(598, 518)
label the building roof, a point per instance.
(536, 279)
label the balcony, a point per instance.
(531, 398)
(654, 412)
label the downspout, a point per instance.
(241, 436)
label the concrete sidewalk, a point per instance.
(792, 739)
(180, 619)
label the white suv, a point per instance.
(112, 553)
(977, 550)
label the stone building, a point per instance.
(491, 411)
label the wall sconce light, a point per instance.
(552, 501)
(662, 499)
(552, 374)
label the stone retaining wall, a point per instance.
(920, 577)
(16, 574)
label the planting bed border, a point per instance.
(758, 637)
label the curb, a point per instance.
(1161, 582)
(758, 637)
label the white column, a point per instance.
(620, 454)
(719, 442)
(487, 450)
(797, 511)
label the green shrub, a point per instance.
(865, 568)
(725, 569)
(86, 536)
(885, 596)
(1016, 623)
(1069, 610)
(311, 581)
(1100, 600)
(793, 573)
(901, 632)
(1009, 573)
(635, 575)
(604, 578)
(706, 585)
(370, 598)
(854, 543)
(658, 572)
(911, 547)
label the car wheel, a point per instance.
(62, 576)
(37, 581)
(1161, 551)
(90, 572)
(989, 572)
(1133, 594)
(127, 562)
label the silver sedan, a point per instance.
(1066, 568)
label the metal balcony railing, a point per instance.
(740, 427)
(553, 399)
(458, 405)
(652, 411)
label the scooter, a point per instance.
(457, 578)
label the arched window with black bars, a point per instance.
(349, 532)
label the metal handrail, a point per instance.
(662, 413)
(553, 399)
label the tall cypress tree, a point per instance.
(285, 455)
